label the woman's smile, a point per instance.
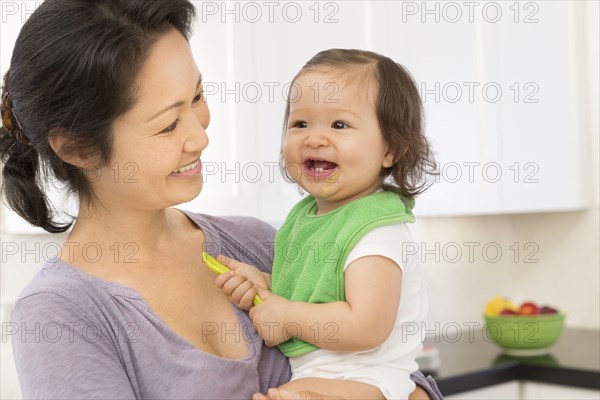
(192, 169)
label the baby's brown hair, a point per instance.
(399, 111)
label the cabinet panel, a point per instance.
(539, 127)
(501, 85)
(446, 61)
(534, 391)
(504, 391)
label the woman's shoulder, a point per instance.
(59, 286)
(247, 239)
(233, 225)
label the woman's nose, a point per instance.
(197, 139)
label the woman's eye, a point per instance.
(171, 127)
(339, 125)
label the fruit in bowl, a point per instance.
(527, 330)
(529, 308)
(498, 304)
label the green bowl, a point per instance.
(524, 335)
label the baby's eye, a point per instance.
(299, 124)
(339, 125)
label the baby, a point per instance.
(342, 289)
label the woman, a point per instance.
(107, 96)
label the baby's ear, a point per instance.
(388, 159)
(66, 149)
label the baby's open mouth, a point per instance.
(319, 166)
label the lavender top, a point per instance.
(82, 337)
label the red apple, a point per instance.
(507, 311)
(548, 310)
(529, 308)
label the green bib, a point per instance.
(311, 250)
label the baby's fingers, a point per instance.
(238, 296)
(247, 298)
(228, 262)
(233, 283)
(222, 279)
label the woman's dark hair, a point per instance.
(399, 112)
(71, 73)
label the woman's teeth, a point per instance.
(186, 168)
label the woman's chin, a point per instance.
(187, 194)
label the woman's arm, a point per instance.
(60, 353)
(363, 321)
(426, 390)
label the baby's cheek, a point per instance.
(294, 170)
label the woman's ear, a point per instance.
(64, 148)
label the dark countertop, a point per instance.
(469, 363)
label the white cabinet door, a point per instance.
(527, 391)
(445, 59)
(535, 58)
(501, 85)
(534, 391)
(504, 391)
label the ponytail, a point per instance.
(21, 183)
(20, 172)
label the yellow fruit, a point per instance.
(510, 306)
(497, 304)
(494, 306)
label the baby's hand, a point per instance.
(242, 282)
(270, 318)
(238, 289)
